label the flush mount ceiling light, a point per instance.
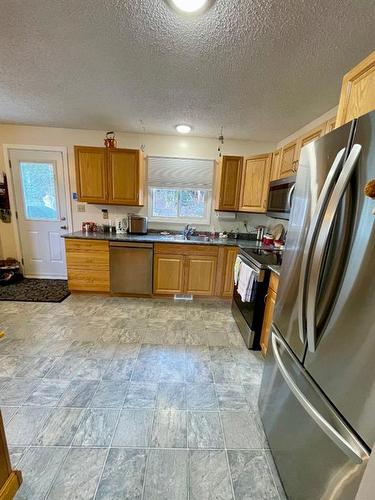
(189, 6)
(183, 129)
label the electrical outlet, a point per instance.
(105, 213)
(81, 207)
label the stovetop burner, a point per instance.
(263, 257)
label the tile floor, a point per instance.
(114, 398)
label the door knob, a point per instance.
(63, 218)
(63, 227)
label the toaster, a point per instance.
(137, 224)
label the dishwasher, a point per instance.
(131, 268)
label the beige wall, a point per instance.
(306, 128)
(162, 145)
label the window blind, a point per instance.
(180, 173)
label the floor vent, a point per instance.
(183, 296)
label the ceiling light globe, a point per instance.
(183, 129)
(189, 5)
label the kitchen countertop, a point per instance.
(275, 269)
(159, 238)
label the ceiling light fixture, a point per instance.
(189, 6)
(183, 129)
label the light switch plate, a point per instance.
(81, 207)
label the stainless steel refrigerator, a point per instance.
(317, 399)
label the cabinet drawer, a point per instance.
(185, 249)
(88, 280)
(88, 260)
(72, 245)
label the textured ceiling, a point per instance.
(260, 68)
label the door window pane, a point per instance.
(192, 203)
(165, 203)
(39, 190)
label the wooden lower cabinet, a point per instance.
(227, 258)
(168, 274)
(88, 265)
(10, 480)
(202, 270)
(200, 274)
(268, 312)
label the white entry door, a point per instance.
(38, 180)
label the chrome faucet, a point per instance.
(188, 231)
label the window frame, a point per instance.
(206, 220)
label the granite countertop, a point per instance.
(159, 238)
(275, 269)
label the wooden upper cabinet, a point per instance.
(310, 136)
(275, 165)
(358, 91)
(109, 176)
(255, 183)
(289, 159)
(330, 125)
(228, 183)
(125, 168)
(91, 174)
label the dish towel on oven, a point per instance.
(236, 269)
(246, 282)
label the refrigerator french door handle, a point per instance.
(311, 236)
(354, 449)
(319, 249)
(290, 195)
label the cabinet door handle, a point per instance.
(265, 297)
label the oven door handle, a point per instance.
(290, 196)
(258, 272)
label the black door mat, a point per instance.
(35, 290)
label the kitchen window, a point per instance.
(180, 190)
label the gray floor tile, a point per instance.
(15, 454)
(209, 476)
(79, 393)
(141, 395)
(119, 369)
(47, 393)
(123, 475)
(198, 371)
(16, 391)
(134, 428)
(167, 475)
(252, 393)
(146, 371)
(9, 365)
(169, 429)
(201, 397)
(88, 349)
(204, 430)
(96, 427)
(70, 368)
(171, 396)
(7, 413)
(221, 354)
(109, 394)
(25, 424)
(60, 428)
(226, 373)
(231, 397)
(39, 467)
(126, 351)
(251, 476)
(241, 430)
(172, 370)
(35, 367)
(78, 477)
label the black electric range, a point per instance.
(249, 314)
(263, 257)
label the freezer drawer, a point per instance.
(318, 456)
(131, 268)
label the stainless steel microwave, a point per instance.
(280, 197)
